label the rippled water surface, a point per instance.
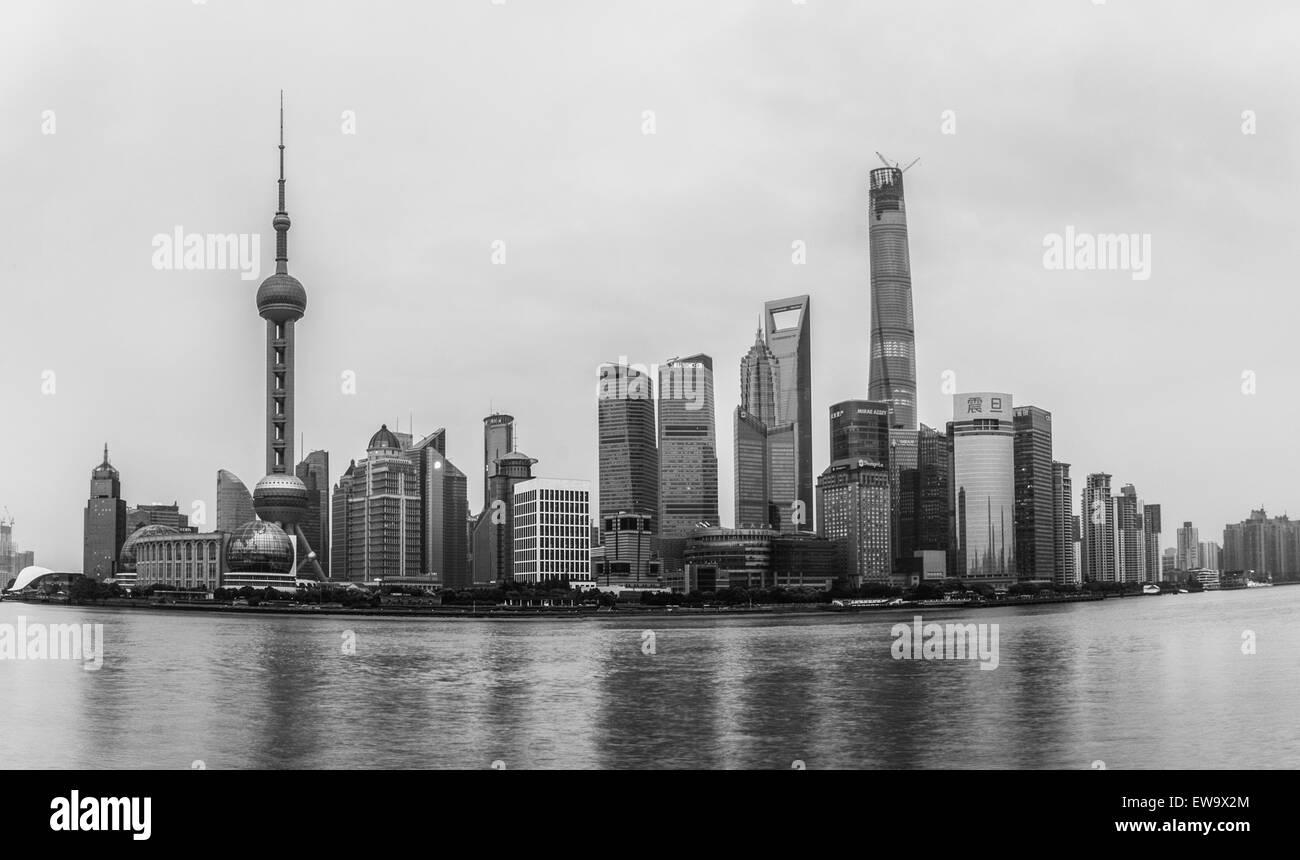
(1153, 682)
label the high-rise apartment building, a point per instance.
(1267, 548)
(1064, 571)
(1098, 544)
(1130, 546)
(1189, 548)
(1151, 527)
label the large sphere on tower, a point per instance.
(281, 298)
(280, 499)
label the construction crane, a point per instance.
(885, 161)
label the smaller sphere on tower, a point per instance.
(280, 499)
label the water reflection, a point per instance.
(1139, 682)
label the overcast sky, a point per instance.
(525, 123)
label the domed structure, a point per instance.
(282, 298)
(384, 439)
(259, 547)
(280, 499)
(126, 561)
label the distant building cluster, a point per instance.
(981, 498)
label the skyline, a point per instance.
(1119, 381)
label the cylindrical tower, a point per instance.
(893, 338)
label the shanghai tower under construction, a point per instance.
(893, 342)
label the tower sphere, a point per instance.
(280, 499)
(281, 298)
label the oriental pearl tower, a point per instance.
(281, 497)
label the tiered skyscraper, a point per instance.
(376, 512)
(105, 522)
(773, 423)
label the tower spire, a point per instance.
(281, 220)
(105, 452)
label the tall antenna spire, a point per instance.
(281, 220)
(105, 452)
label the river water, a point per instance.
(1140, 682)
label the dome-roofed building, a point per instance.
(126, 561)
(376, 514)
(384, 440)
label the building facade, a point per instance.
(376, 512)
(1267, 548)
(629, 456)
(1098, 543)
(444, 508)
(498, 440)
(1189, 547)
(854, 509)
(492, 553)
(552, 530)
(688, 454)
(983, 486)
(892, 374)
(1035, 516)
(104, 530)
(314, 472)
(1130, 537)
(1064, 570)
(234, 502)
(788, 327)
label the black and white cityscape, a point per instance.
(740, 385)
